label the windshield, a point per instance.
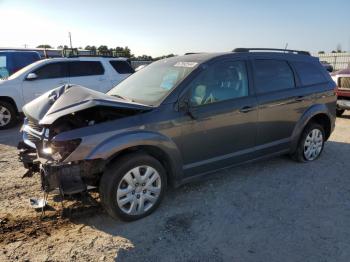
(154, 82)
(4, 73)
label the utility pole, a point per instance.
(70, 40)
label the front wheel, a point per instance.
(311, 143)
(8, 117)
(133, 186)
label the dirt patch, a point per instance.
(12, 230)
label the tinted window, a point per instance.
(53, 70)
(222, 81)
(85, 68)
(273, 75)
(309, 73)
(122, 67)
(24, 59)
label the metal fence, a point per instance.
(337, 60)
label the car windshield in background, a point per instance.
(153, 83)
(4, 73)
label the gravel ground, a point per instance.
(272, 210)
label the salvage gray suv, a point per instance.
(176, 120)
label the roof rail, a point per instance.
(243, 50)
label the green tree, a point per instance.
(321, 52)
(44, 46)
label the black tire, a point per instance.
(13, 114)
(114, 174)
(339, 112)
(298, 155)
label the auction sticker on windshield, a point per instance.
(185, 64)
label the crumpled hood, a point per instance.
(68, 99)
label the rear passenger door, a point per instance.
(279, 101)
(90, 74)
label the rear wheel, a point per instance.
(8, 116)
(340, 112)
(311, 143)
(133, 186)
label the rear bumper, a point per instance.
(343, 104)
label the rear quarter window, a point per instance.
(122, 67)
(309, 73)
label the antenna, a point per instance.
(70, 40)
(285, 48)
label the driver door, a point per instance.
(221, 126)
(48, 77)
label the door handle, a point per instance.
(300, 98)
(246, 109)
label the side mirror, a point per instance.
(31, 76)
(184, 106)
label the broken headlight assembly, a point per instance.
(60, 150)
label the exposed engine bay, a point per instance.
(89, 117)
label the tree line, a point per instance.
(117, 51)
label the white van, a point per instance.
(97, 73)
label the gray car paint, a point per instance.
(198, 142)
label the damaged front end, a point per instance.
(63, 110)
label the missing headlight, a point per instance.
(60, 150)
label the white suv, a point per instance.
(97, 73)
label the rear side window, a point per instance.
(85, 68)
(273, 75)
(53, 70)
(122, 67)
(309, 73)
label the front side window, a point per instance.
(85, 68)
(122, 67)
(309, 73)
(273, 75)
(153, 83)
(52, 70)
(221, 81)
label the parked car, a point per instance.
(327, 66)
(342, 79)
(12, 61)
(176, 120)
(97, 73)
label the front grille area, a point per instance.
(32, 132)
(344, 82)
(34, 125)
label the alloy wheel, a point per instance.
(5, 116)
(313, 144)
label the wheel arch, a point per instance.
(10, 101)
(155, 144)
(319, 114)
